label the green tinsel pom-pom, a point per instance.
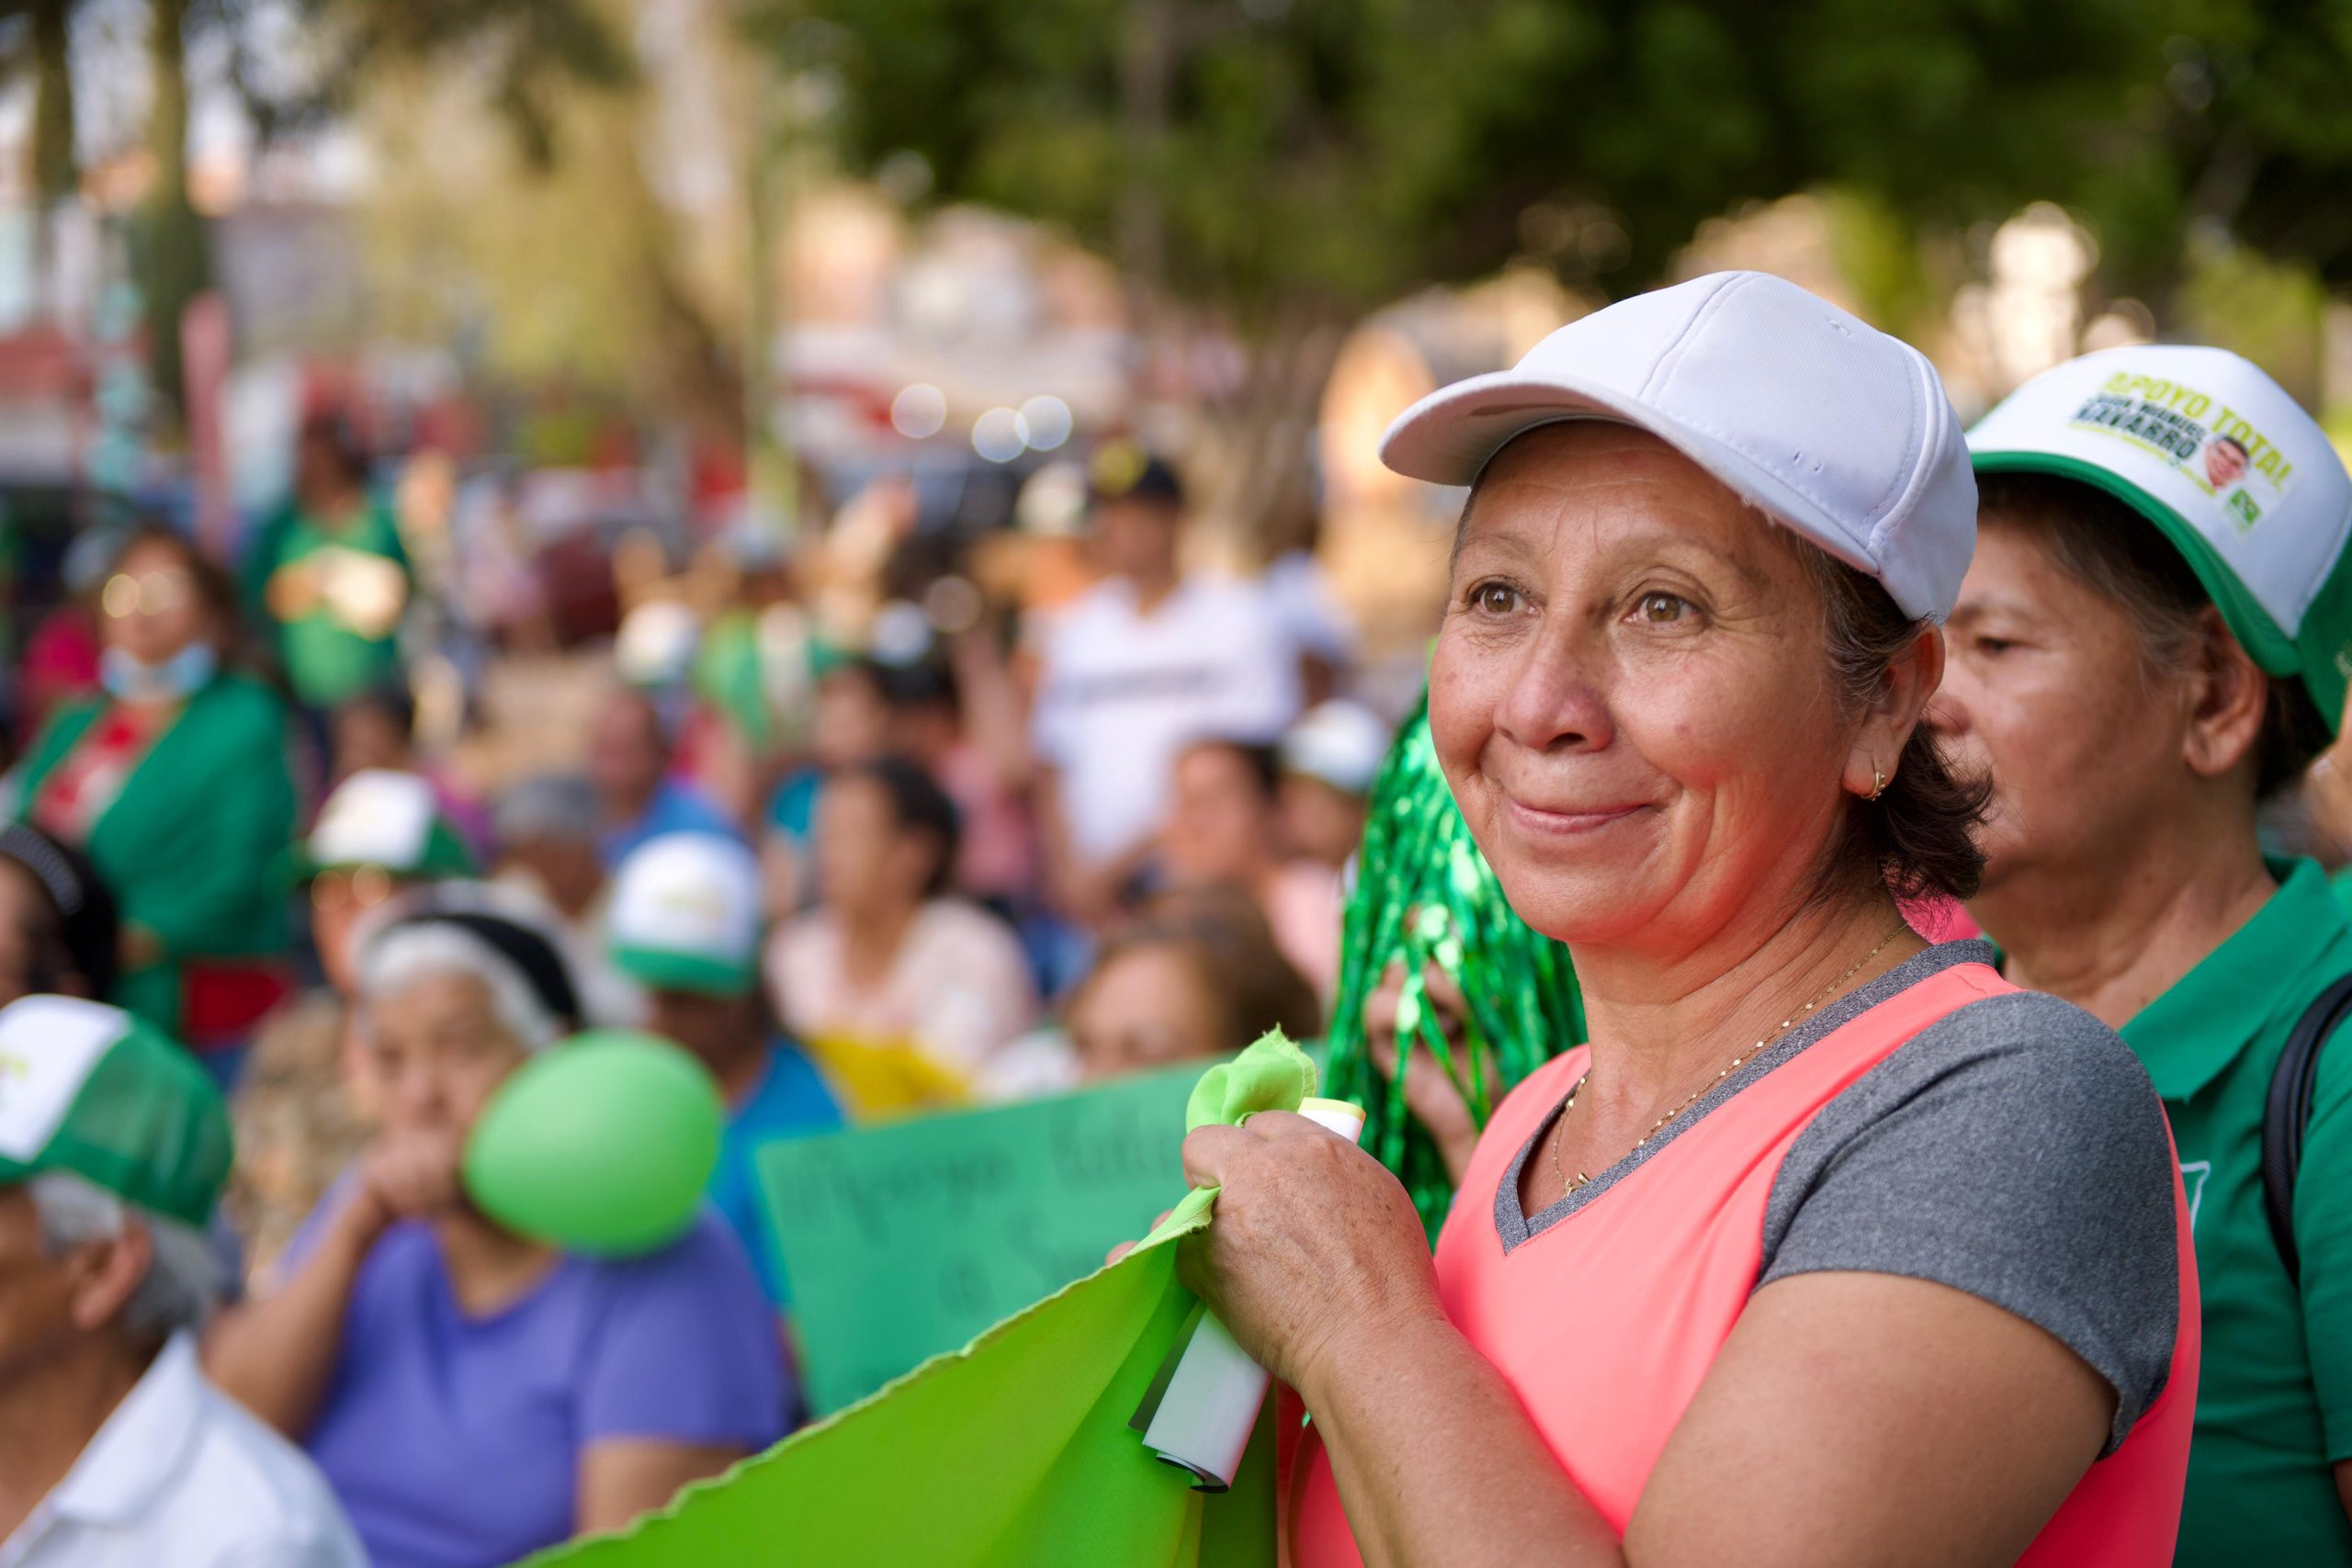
(1424, 896)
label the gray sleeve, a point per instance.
(2016, 1151)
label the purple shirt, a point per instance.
(455, 1441)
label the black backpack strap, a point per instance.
(2288, 1112)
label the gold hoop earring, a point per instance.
(1878, 784)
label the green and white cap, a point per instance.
(388, 820)
(87, 1089)
(684, 915)
(2228, 467)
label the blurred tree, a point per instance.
(2245, 130)
(1283, 165)
(519, 53)
(38, 49)
(557, 257)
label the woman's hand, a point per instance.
(1430, 1093)
(1314, 1245)
(407, 1175)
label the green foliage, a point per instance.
(1341, 150)
(526, 53)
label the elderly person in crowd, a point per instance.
(2148, 647)
(113, 1450)
(1831, 1247)
(684, 925)
(301, 1112)
(473, 1394)
(58, 928)
(903, 992)
(175, 782)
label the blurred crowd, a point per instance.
(904, 822)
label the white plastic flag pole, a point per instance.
(1210, 1405)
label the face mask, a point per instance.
(130, 679)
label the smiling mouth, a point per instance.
(1574, 820)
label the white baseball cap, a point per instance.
(684, 915)
(2228, 467)
(380, 816)
(1339, 742)
(1836, 429)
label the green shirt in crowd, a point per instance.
(347, 586)
(2274, 1401)
(193, 845)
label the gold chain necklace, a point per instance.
(1569, 1184)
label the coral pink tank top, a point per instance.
(1605, 1323)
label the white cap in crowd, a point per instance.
(2227, 466)
(1339, 742)
(379, 816)
(684, 915)
(1836, 429)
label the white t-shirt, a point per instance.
(1122, 693)
(179, 1476)
(959, 992)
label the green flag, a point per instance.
(1015, 1451)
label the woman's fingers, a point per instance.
(1209, 1151)
(1126, 1247)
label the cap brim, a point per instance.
(2263, 638)
(1450, 436)
(658, 970)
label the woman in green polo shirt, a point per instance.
(2153, 638)
(175, 782)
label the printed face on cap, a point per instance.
(2225, 462)
(1629, 696)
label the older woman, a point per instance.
(473, 1395)
(2148, 646)
(1831, 1247)
(175, 783)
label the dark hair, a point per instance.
(394, 702)
(2102, 543)
(914, 687)
(917, 804)
(1921, 834)
(1264, 762)
(1225, 935)
(80, 931)
(333, 433)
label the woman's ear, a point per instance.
(2228, 697)
(106, 1274)
(1912, 677)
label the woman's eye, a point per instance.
(1495, 599)
(1661, 609)
(1993, 647)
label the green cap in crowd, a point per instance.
(684, 916)
(88, 1089)
(388, 820)
(2228, 467)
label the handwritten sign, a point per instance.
(904, 1240)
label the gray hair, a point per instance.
(407, 953)
(558, 806)
(183, 1279)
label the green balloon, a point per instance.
(600, 1145)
